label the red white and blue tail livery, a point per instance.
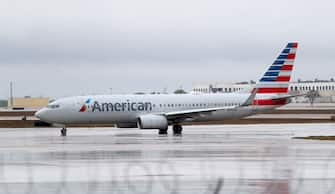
(272, 87)
(276, 78)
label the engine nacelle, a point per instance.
(152, 122)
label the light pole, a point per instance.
(11, 93)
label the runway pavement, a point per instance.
(206, 159)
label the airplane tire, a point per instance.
(162, 132)
(177, 130)
(63, 132)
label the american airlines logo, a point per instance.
(115, 107)
(84, 107)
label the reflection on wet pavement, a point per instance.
(206, 159)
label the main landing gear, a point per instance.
(162, 132)
(63, 132)
(177, 130)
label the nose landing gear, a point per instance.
(63, 132)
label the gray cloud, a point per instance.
(57, 48)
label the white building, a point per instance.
(326, 89)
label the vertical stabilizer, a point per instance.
(276, 78)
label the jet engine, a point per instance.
(152, 122)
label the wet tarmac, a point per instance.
(206, 159)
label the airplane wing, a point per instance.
(185, 114)
(195, 111)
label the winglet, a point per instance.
(251, 98)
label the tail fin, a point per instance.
(276, 78)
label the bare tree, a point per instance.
(180, 91)
(312, 95)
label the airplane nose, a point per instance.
(39, 113)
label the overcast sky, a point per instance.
(74, 47)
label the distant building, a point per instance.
(326, 89)
(28, 102)
(3, 103)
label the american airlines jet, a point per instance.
(160, 111)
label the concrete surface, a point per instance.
(206, 159)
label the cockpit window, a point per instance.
(53, 106)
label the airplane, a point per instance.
(158, 111)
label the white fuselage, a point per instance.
(160, 111)
(127, 108)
